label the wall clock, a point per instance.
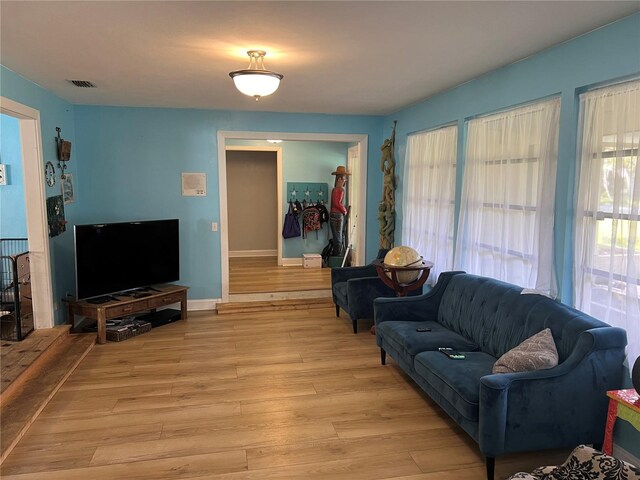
(50, 174)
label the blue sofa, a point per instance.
(559, 407)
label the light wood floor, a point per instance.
(275, 395)
(262, 274)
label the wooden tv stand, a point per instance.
(124, 305)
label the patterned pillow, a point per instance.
(584, 463)
(535, 353)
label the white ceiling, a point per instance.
(361, 57)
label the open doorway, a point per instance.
(34, 203)
(16, 310)
(253, 176)
(304, 171)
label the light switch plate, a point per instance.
(3, 174)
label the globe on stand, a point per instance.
(402, 270)
(403, 257)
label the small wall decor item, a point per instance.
(3, 174)
(194, 184)
(50, 174)
(64, 152)
(68, 194)
(55, 215)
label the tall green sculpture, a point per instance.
(387, 206)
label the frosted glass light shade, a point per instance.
(256, 83)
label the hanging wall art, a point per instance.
(55, 215)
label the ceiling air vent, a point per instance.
(83, 83)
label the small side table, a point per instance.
(626, 405)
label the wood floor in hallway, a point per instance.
(273, 395)
(262, 274)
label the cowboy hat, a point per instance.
(341, 170)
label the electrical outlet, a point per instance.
(3, 174)
(214, 227)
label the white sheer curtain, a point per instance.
(505, 229)
(429, 196)
(607, 241)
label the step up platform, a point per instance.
(32, 371)
(274, 305)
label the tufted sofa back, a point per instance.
(498, 317)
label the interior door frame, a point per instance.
(278, 152)
(223, 135)
(357, 212)
(35, 201)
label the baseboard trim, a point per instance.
(203, 304)
(622, 454)
(253, 253)
(292, 262)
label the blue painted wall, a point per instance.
(310, 162)
(608, 54)
(132, 159)
(13, 219)
(54, 112)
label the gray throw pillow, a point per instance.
(535, 353)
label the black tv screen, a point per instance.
(114, 257)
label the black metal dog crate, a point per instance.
(16, 308)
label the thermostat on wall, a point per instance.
(194, 184)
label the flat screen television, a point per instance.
(115, 257)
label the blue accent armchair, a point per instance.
(355, 288)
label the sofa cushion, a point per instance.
(340, 291)
(403, 336)
(535, 353)
(457, 381)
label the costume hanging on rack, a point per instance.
(324, 213)
(310, 220)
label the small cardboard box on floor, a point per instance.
(311, 260)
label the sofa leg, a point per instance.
(491, 467)
(337, 311)
(355, 325)
(383, 356)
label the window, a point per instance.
(429, 196)
(607, 240)
(505, 229)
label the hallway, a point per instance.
(263, 275)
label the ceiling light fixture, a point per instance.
(255, 81)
